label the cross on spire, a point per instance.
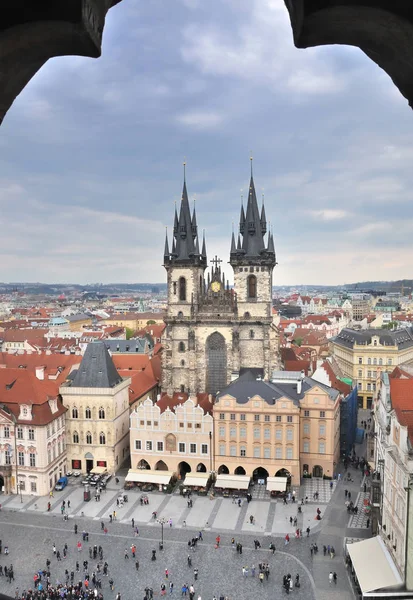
(215, 261)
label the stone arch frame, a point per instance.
(182, 289)
(201, 468)
(223, 470)
(161, 466)
(240, 470)
(216, 362)
(252, 287)
(143, 465)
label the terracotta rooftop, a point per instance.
(181, 397)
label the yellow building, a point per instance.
(362, 355)
(286, 427)
(133, 320)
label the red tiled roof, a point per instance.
(23, 335)
(181, 397)
(297, 365)
(401, 393)
(54, 365)
(400, 373)
(335, 383)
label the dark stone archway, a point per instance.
(382, 29)
(32, 31)
(143, 464)
(201, 468)
(240, 471)
(161, 466)
(184, 468)
(223, 470)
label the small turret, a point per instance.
(166, 254)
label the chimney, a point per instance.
(40, 373)
(299, 386)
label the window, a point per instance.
(360, 373)
(278, 418)
(75, 413)
(174, 284)
(306, 447)
(306, 413)
(138, 444)
(181, 347)
(256, 417)
(289, 435)
(243, 451)
(233, 451)
(257, 452)
(7, 457)
(222, 416)
(243, 432)
(369, 361)
(33, 486)
(181, 447)
(360, 360)
(101, 413)
(322, 414)
(182, 363)
(31, 434)
(278, 434)
(278, 452)
(21, 459)
(232, 416)
(252, 287)
(369, 387)
(6, 431)
(88, 438)
(380, 361)
(374, 361)
(359, 386)
(192, 448)
(252, 334)
(321, 448)
(267, 452)
(182, 289)
(242, 417)
(389, 361)
(75, 438)
(222, 432)
(181, 425)
(322, 430)
(88, 413)
(102, 438)
(204, 448)
(257, 433)
(289, 453)
(267, 418)
(222, 449)
(148, 446)
(32, 459)
(232, 432)
(289, 419)
(22, 484)
(20, 433)
(149, 423)
(267, 433)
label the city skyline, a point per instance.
(92, 151)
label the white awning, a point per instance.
(276, 484)
(198, 479)
(233, 482)
(379, 571)
(98, 470)
(147, 476)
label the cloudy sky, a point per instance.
(91, 152)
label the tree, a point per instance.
(151, 322)
(129, 333)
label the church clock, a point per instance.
(215, 286)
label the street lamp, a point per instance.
(162, 522)
(19, 485)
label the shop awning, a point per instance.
(276, 484)
(147, 476)
(379, 571)
(98, 470)
(198, 479)
(233, 482)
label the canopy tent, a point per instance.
(379, 571)
(147, 476)
(233, 482)
(276, 484)
(198, 479)
(98, 470)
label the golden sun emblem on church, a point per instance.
(215, 286)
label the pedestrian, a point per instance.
(368, 523)
(308, 531)
(332, 552)
(171, 588)
(200, 536)
(170, 522)
(335, 577)
(324, 550)
(195, 574)
(217, 541)
(330, 578)
(68, 504)
(126, 555)
(166, 573)
(102, 525)
(286, 540)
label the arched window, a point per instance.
(182, 363)
(182, 289)
(180, 314)
(88, 438)
(102, 438)
(252, 286)
(174, 288)
(101, 413)
(380, 361)
(75, 437)
(369, 361)
(252, 334)
(75, 414)
(374, 361)
(181, 347)
(88, 413)
(182, 389)
(247, 315)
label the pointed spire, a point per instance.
(166, 251)
(204, 253)
(242, 216)
(173, 252)
(263, 218)
(194, 223)
(176, 221)
(233, 247)
(239, 246)
(271, 243)
(197, 253)
(253, 240)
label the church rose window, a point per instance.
(252, 286)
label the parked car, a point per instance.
(69, 473)
(76, 473)
(61, 484)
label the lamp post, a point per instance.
(19, 485)
(162, 522)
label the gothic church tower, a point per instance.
(213, 331)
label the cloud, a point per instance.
(329, 214)
(200, 120)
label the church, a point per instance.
(215, 332)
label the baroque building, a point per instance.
(213, 331)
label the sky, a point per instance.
(91, 152)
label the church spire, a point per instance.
(166, 254)
(263, 218)
(194, 223)
(233, 246)
(271, 248)
(253, 240)
(204, 253)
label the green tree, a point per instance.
(151, 322)
(129, 333)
